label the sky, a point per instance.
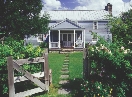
(118, 6)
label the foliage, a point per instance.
(19, 18)
(18, 51)
(44, 45)
(111, 70)
(121, 28)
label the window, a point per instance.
(95, 25)
(40, 37)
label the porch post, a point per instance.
(74, 39)
(49, 40)
(84, 38)
(59, 39)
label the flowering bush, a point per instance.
(111, 70)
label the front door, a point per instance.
(67, 39)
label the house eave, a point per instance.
(68, 29)
(57, 20)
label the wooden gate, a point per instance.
(16, 64)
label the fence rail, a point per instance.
(16, 65)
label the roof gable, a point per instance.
(66, 24)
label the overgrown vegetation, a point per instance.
(17, 50)
(121, 28)
(111, 63)
(111, 70)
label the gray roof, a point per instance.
(73, 24)
(77, 14)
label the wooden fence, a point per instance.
(46, 74)
(86, 64)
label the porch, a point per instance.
(66, 34)
(66, 39)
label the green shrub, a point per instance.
(110, 69)
(44, 45)
(17, 50)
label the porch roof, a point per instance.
(67, 24)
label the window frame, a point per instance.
(95, 26)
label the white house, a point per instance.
(72, 28)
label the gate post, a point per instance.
(85, 63)
(46, 70)
(10, 77)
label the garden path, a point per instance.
(64, 78)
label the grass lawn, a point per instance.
(55, 63)
(76, 66)
(75, 72)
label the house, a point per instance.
(72, 28)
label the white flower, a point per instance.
(97, 48)
(122, 48)
(129, 42)
(125, 51)
(98, 87)
(128, 50)
(92, 49)
(109, 52)
(101, 45)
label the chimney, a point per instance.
(109, 8)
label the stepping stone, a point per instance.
(65, 63)
(65, 72)
(64, 69)
(65, 66)
(64, 82)
(64, 76)
(64, 91)
(67, 57)
(66, 60)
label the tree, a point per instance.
(21, 17)
(121, 27)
